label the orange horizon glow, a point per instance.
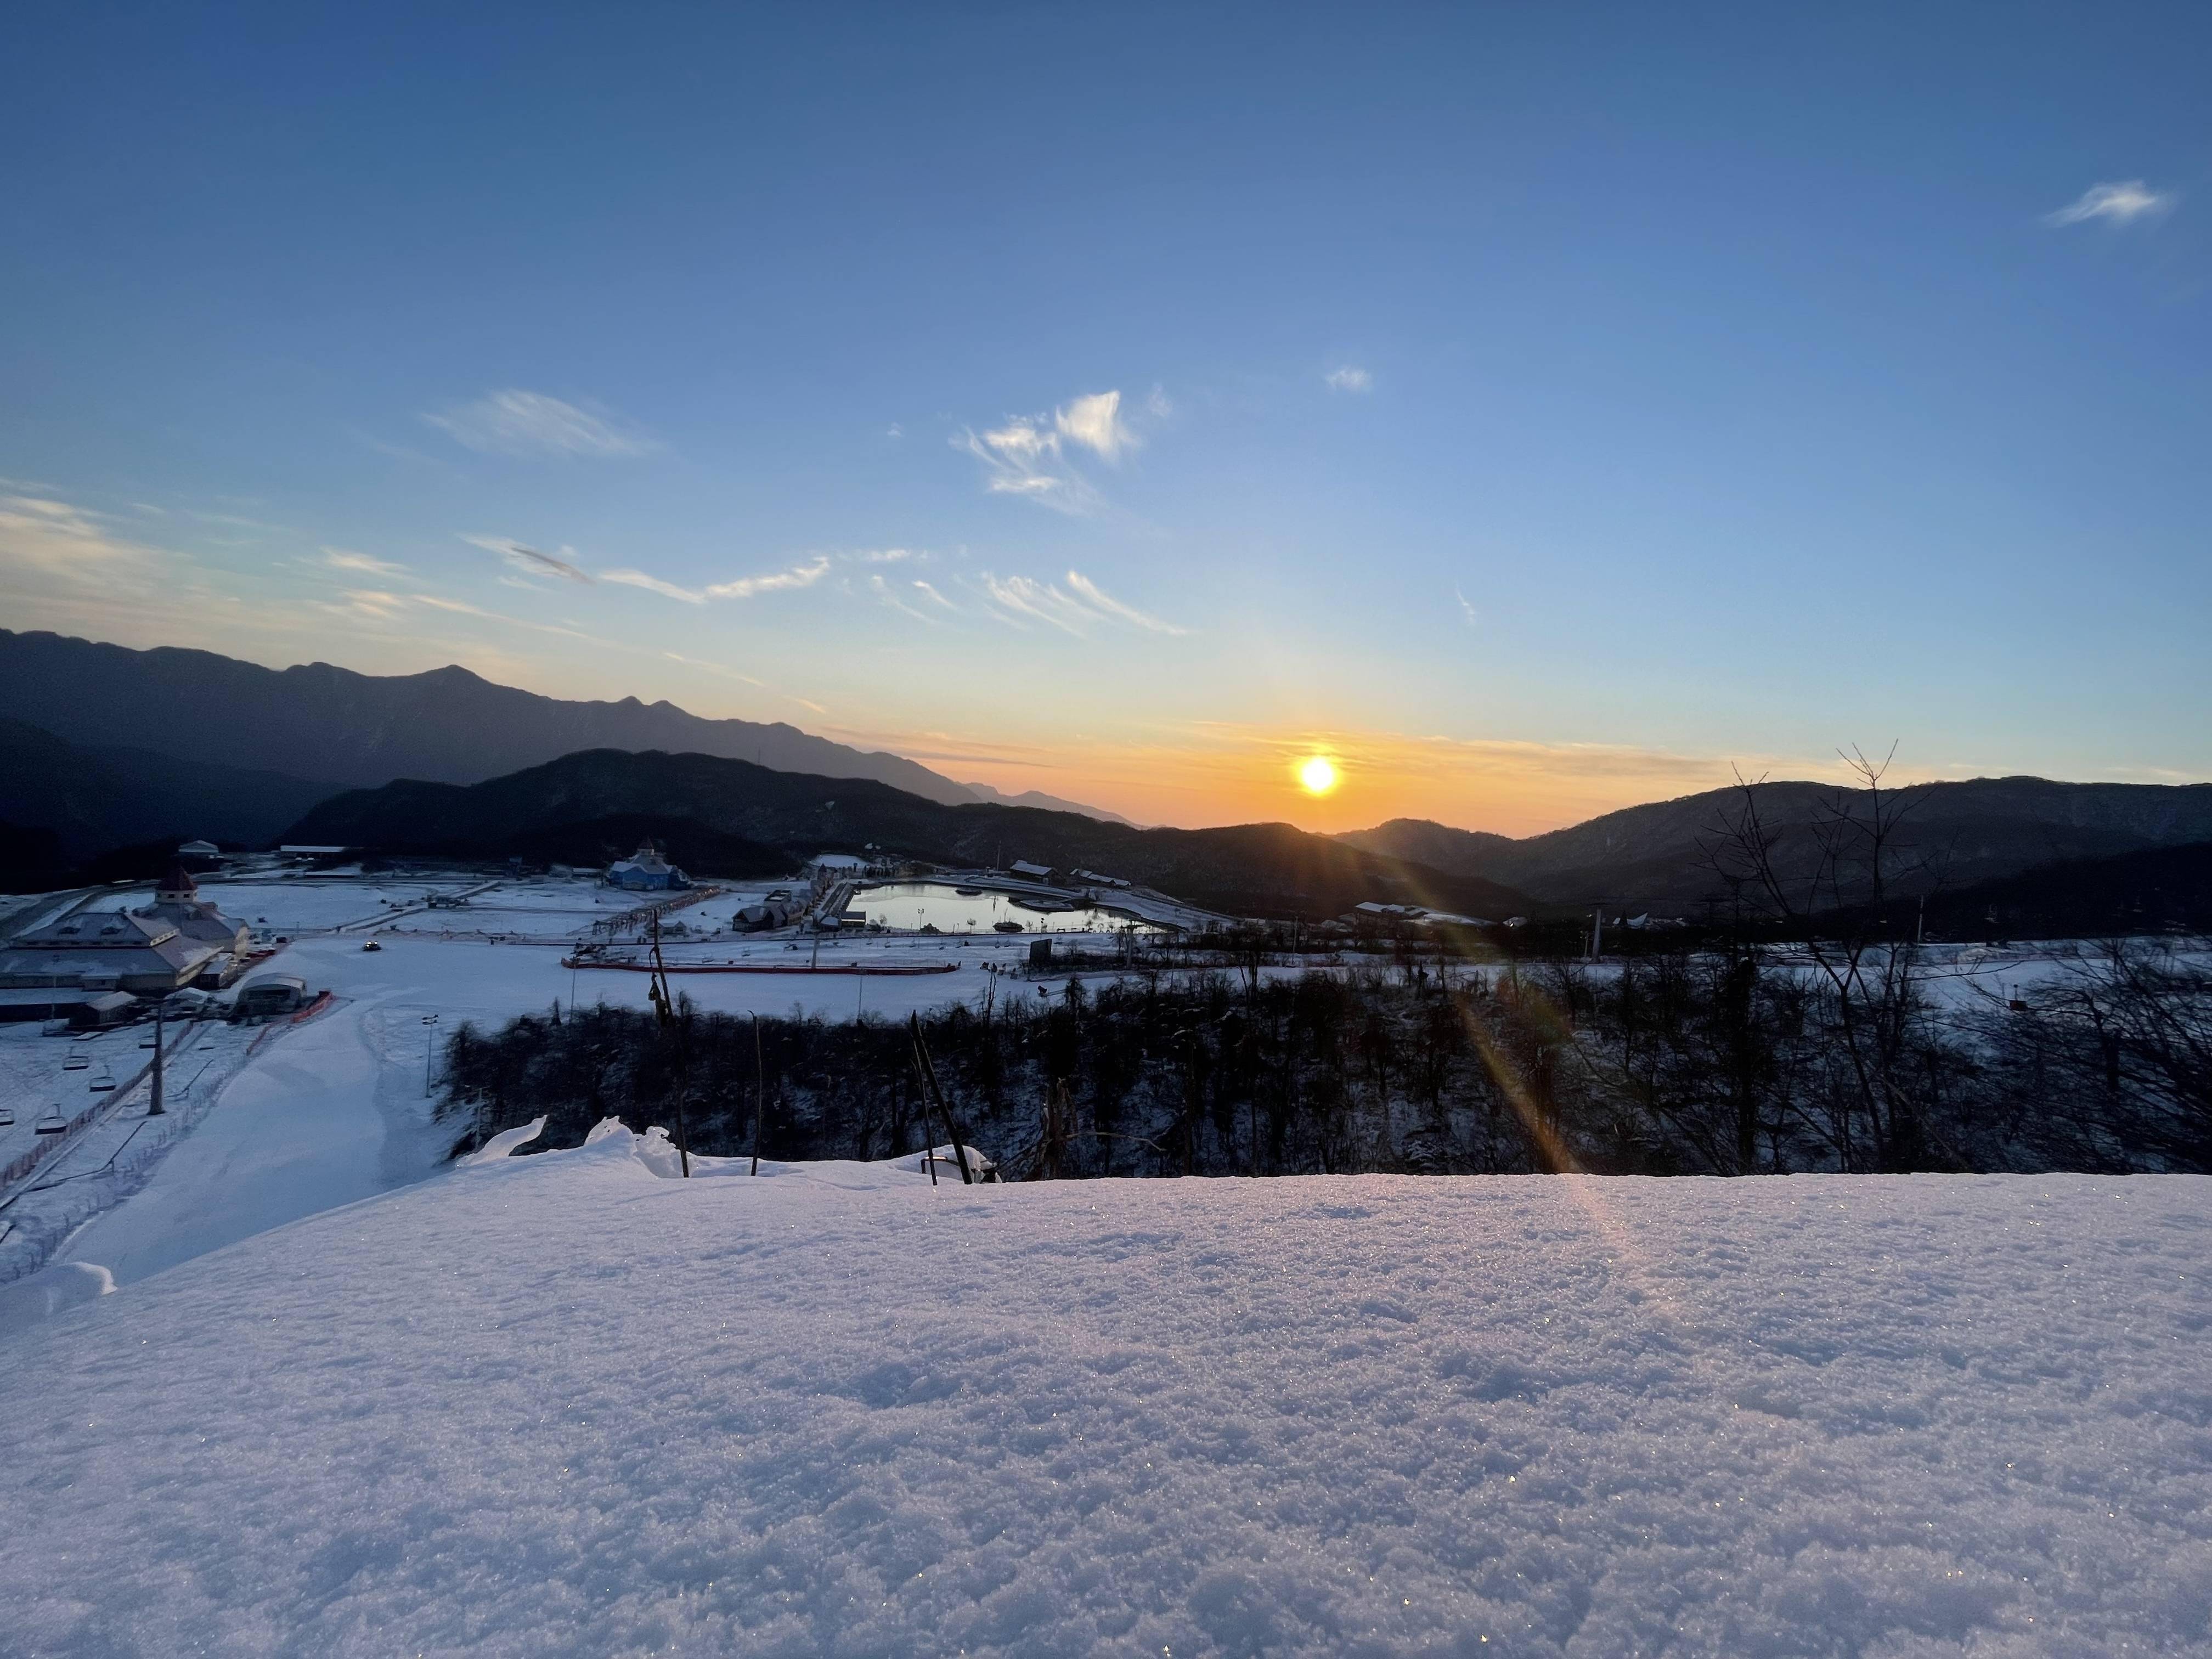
(1219, 774)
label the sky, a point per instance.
(1530, 410)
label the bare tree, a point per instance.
(1830, 896)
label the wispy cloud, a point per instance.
(339, 558)
(516, 422)
(1473, 619)
(530, 559)
(891, 596)
(933, 595)
(61, 540)
(778, 582)
(2121, 203)
(1349, 377)
(713, 668)
(1095, 421)
(375, 602)
(1029, 456)
(1100, 600)
(653, 585)
(1014, 599)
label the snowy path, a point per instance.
(320, 1119)
(558, 1405)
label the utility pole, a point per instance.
(156, 1108)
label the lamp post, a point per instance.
(429, 1051)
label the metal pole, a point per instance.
(430, 1050)
(156, 1108)
(760, 1092)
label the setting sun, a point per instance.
(1318, 774)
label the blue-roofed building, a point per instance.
(646, 871)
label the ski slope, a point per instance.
(562, 1405)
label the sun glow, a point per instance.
(1318, 774)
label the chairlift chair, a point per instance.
(104, 1083)
(51, 1121)
(74, 1062)
(6, 1117)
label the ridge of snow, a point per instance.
(556, 1403)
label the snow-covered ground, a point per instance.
(562, 1405)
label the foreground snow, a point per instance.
(562, 1404)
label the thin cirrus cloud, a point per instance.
(1473, 619)
(529, 560)
(778, 582)
(530, 423)
(1349, 377)
(2120, 203)
(365, 564)
(1076, 609)
(743, 587)
(1029, 457)
(653, 584)
(888, 594)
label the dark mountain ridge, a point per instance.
(94, 798)
(1950, 835)
(1260, 869)
(316, 721)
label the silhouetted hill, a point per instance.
(317, 721)
(1957, 833)
(1260, 869)
(2155, 889)
(94, 800)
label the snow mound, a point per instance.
(559, 1404)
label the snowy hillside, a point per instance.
(562, 1405)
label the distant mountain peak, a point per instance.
(1043, 802)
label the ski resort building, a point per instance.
(107, 950)
(646, 871)
(178, 900)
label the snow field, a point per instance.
(558, 1404)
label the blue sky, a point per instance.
(1537, 408)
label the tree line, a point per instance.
(1689, 1060)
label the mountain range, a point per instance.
(1260, 869)
(1948, 835)
(335, 726)
(108, 749)
(82, 800)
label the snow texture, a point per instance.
(557, 1403)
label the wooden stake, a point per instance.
(937, 1094)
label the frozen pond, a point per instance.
(914, 904)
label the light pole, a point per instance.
(429, 1051)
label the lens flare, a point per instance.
(1318, 774)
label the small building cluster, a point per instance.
(1375, 914)
(778, 909)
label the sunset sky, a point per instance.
(1534, 410)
